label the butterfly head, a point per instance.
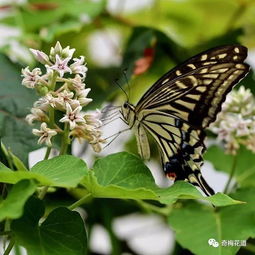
(128, 113)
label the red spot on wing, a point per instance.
(171, 176)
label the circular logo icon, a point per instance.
(213, 242)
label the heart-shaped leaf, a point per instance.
(62, 232)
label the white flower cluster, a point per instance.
(63, 94)
(235, 125)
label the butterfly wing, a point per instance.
(180, 145)
(177, 108)
(195, 90)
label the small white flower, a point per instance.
(235, 125)
(67, 52)
(93, 118)
(78, 67)
(74, 103)
(40, 56)
(63, 98)
(50, 100)
(42, 104)
(45, 134)
(36, 114)
(90, 131)
(31, 78)
(242, 127)
(82, 97)
(72, 116)
(63, 53)
(77, 83)
(57, 50)
(61, 66)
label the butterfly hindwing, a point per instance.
(180, 147)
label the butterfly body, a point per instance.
(180, 105)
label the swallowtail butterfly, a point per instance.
(180, 105)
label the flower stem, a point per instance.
(53, 81)
(9, 247)
(47, 154)
(232, 172)
(65, 141)
(52, 117)
(79, 202)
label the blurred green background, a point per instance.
(113, 36)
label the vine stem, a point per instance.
(164, 211)
(9, 247)
(43, 192)
(79, 202)
(232, 172)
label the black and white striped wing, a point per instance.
(180, 145)
(195, 90)
(177, 108)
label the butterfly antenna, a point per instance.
(126, 79)
(116, 82)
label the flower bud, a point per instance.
(42, 90)
(40, 56)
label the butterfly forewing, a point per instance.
(223, 54)
(197, 90)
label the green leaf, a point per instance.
(15, 102)
(123, 175)
(244, 165)
(12, 206)
(226, 223)
(62, 232)
(16, 161)
(62, 171)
